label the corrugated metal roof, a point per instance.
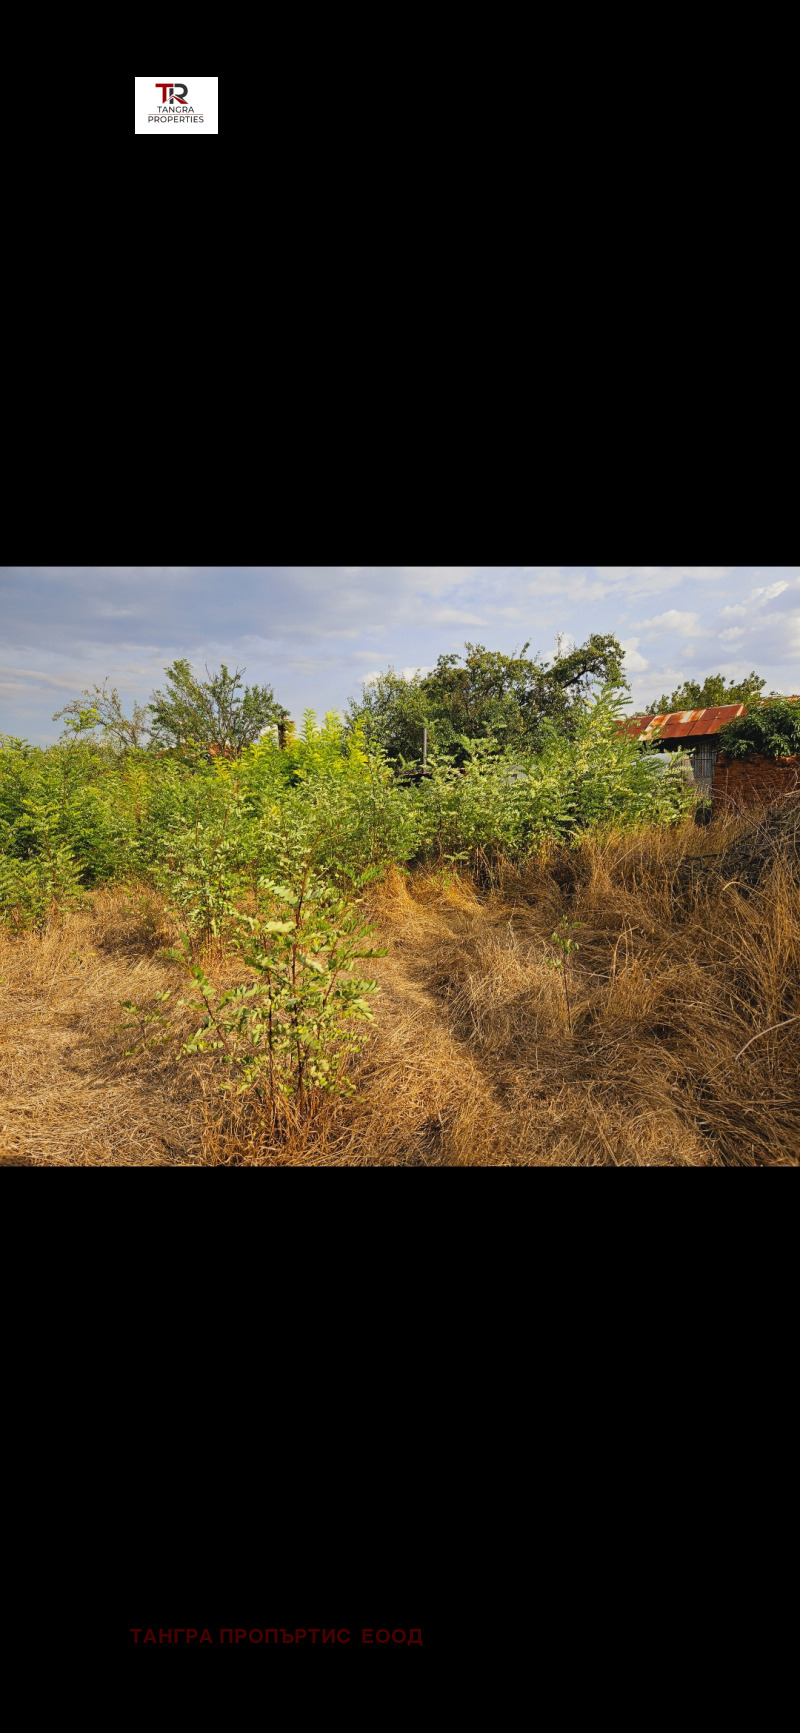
(678, 724)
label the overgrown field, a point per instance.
(294, 959)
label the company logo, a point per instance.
(171, 88)
(173, 91)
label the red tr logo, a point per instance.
(169, 86)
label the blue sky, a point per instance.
(314, 633)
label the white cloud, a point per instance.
(455, 617)
(437, 580)
(24, 676)
(732, 634)
(557, 581)
(765, 593)
(660, 577)
(789, 644)
(686, 625)
(594, 583)
(620, 572)
(635, 663)
(768, 593)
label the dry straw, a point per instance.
(683, 1050)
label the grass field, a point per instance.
(675, 1043)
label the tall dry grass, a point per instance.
(682, 1049)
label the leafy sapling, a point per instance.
(566, 945)
(144, 1021)
(287, 1031)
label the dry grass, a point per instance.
(471, 1061)
(68, 1096)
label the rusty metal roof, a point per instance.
(678, 724)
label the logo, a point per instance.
(171, 87)
(173, 92)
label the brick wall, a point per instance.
(744, 781)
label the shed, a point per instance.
(692, 730)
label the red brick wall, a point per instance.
(744, 781)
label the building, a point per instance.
(694, 731)
(731, 783)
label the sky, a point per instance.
(314, 633)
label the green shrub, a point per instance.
(287, 1032)
(35, 891)
(327, 787)
(70, 796)
(198, 870)
(515, 804)
(207, 833)
(771, 727)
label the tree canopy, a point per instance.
(215, 711)
(483, 693)
(692, 696)
(101, 708)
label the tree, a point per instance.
(692, 696)
(196, 714)
(558, 689)
(393, 712)
(102, 708)
(482, 693)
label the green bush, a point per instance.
(199, 871)
(80, 813)
(65, 796)
(771, 727)
(287, 1032)
(329, 788)
(38, 890)
(513, 804)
